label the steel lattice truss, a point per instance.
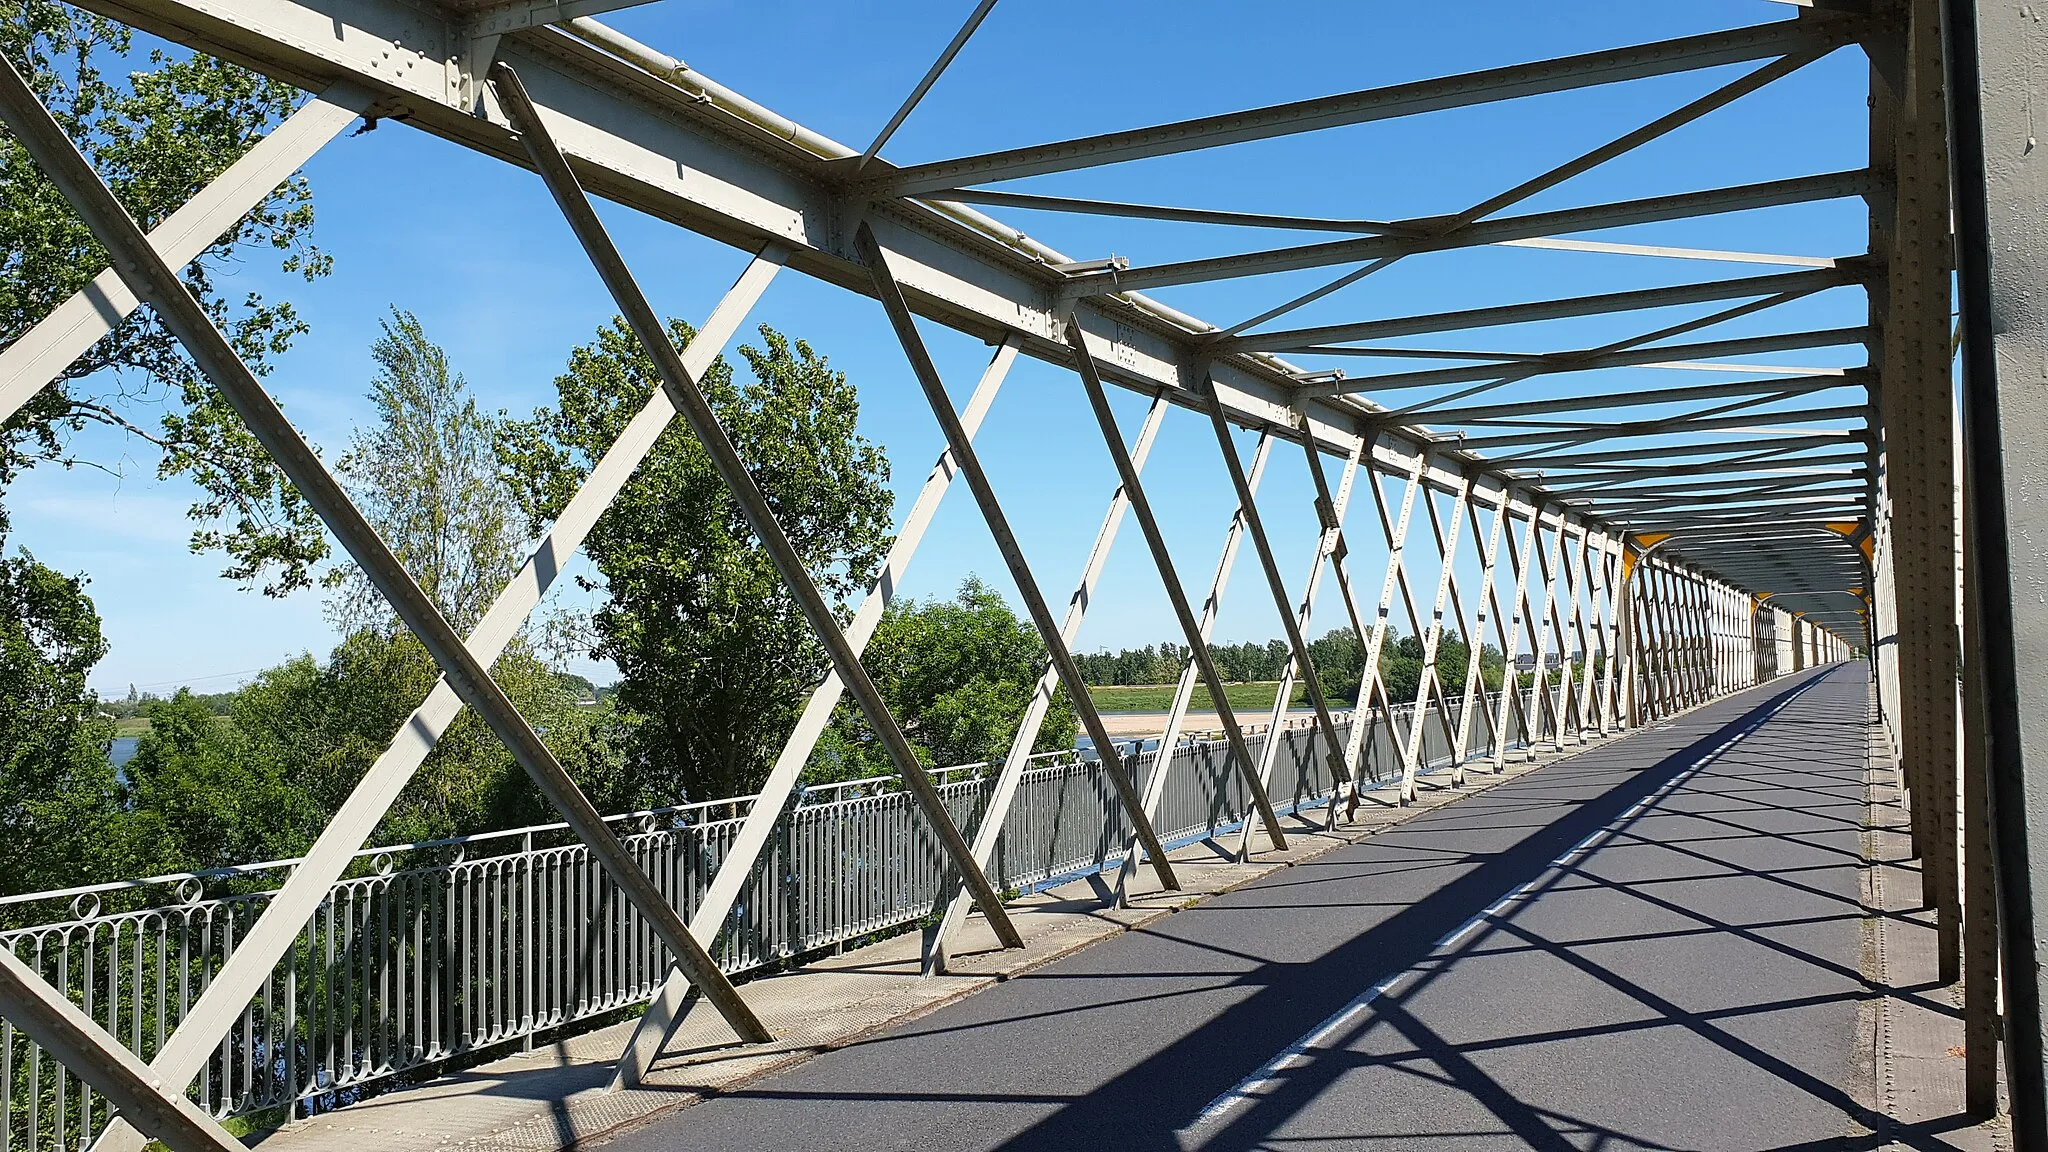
(1647, 549)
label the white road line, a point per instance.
(1295, 1055)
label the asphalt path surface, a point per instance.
(1654, 944)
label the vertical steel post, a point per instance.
(1670, 641)
(1719, 602)
(690, 402)
(1340, 565)
(1543, 618)
(1396, 531)
(1696, 641)
(1641, 704)
(1435, 678)
(1475, 629)
(1330, 512)
(1255, 527)
(1997, 90)
(995, 813)
(1447, 543)
(1191, 674)
(1656, 662)
(1682, 636)
(1703, 612)
(1686, 606)
(670, 1009)
(1609, 631)
(1176, 595)
(1685, 613)
(1430, 683)
(998, 522)
(1588, 628)
(1513, 624)
(1373, 707)
(1696, 617)
(1574, 666)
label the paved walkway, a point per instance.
(557, 1094)
(1658, 943)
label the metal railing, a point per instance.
(445, 948)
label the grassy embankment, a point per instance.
(1254, 695)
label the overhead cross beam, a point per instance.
(1737, 453)
(1545, 364)
(1648, 397)
(1445, 230)
(1671, 426)
(1812, 280)
(1652, 210)
(1589, 474)
(1685, 54)
(1661, 332)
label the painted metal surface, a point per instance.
(1748, 498)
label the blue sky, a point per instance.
(476, 250)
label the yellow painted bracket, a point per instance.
(1642, 543)
(1857, 532)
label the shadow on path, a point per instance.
(1527, 1031)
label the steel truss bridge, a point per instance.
(1648, 549)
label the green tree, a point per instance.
(426, 475)
(202, 794)
(157, 135)
(957, 674)
(713, 652)
(58, 794)
(207, 789)
(1340, 662)
(258, 781)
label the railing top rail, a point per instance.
(644, 814)
(677, 812)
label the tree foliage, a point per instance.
(1338, 655)
(207, 790)
(714, 654)
(157, 136)
(1340, 659)
(426, 475)
(1148, 665)
(957, 674)
(255, 774)
(56, 787)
